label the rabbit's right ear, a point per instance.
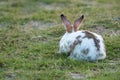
(77, 23)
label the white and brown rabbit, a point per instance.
(81, 44)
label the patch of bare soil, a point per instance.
(10, 76)
(107, 32)
(77, 76)
(3, 25)
(2, 3)
(50, 6)
(39, 24)
(39, 38)
(94, 3)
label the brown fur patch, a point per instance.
(78, 37)
(73, 45)
(86, 51)
(90, 35)
(69, 28)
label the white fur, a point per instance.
(87, 43)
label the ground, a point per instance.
(30, 31)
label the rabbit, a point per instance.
(81, 44)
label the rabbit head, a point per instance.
(68, 26)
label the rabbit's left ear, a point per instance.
(65, 21)
(78, 22)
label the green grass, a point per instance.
(29, 53)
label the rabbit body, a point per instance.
(80, 46)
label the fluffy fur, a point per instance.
(81, 45)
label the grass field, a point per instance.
(30, 31)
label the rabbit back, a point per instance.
(83, 45)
